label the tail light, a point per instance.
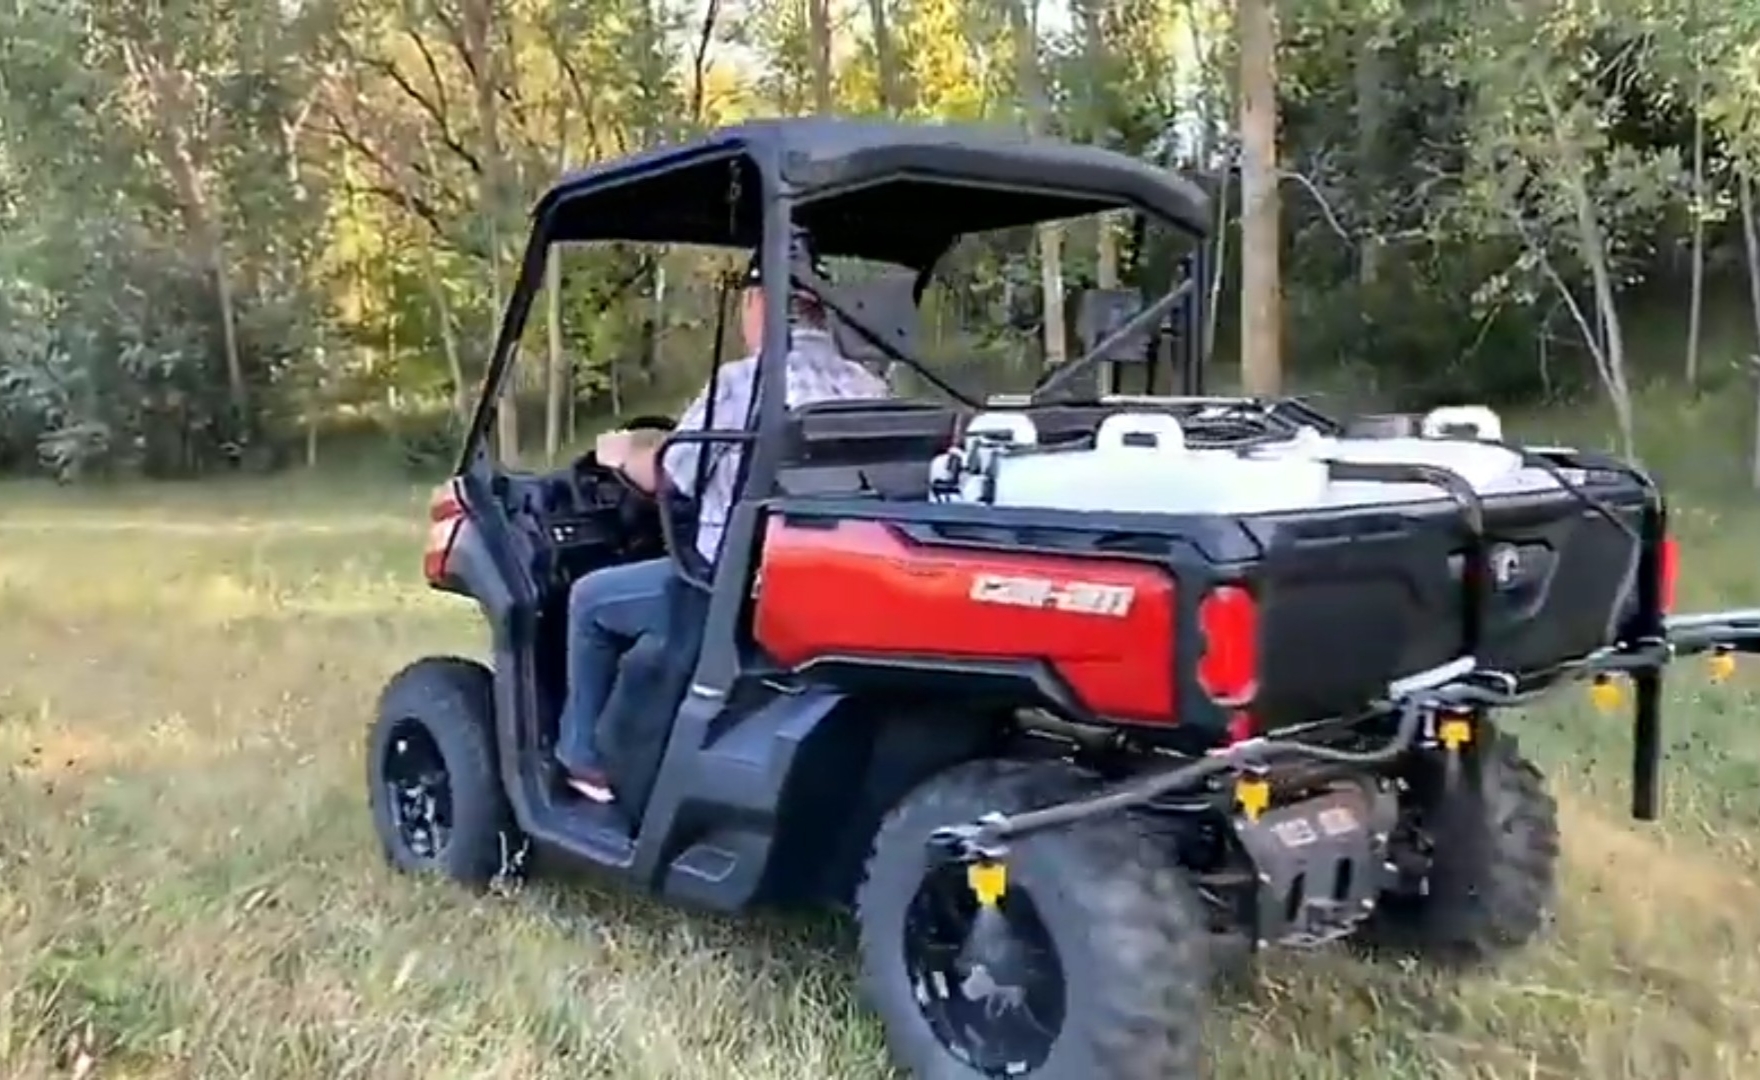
(446, 516)
(1228, 624)
(1669, 572)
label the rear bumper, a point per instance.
(1460, 683)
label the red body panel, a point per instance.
(861, 589)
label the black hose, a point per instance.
(1139, 792)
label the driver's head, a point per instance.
(803, 308)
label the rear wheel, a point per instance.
(437, 801)
(1095, 965)
(1490, 851)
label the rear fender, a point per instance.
(776, 800)
(870, 756)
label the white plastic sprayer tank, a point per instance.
(1142, 462)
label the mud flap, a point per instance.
(1320, 863)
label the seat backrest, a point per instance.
(861, 430)
(879, 447)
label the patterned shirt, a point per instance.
(816, 372)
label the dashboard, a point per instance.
(582, 517)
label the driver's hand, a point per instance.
(632, 453)
(613, 448)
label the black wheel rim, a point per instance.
(417, 789)
(1000, 1022)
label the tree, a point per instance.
(1023, 21)
(213, 218)
(175, 82)
(1261, 303)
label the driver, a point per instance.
(610, 608)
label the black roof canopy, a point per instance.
(885, 191)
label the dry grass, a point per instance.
(189, 885)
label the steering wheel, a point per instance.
(644, 422)
(589, 475)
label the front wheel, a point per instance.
(1095, 966)
(437, 801)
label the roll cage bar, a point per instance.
(836, 178)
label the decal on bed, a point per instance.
(1079, 597)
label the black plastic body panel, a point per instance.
(1353, 601)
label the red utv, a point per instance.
(1060, 693)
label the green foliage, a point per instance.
(100, 374)
(222, 223)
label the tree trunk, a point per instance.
(1261, 288)
(1207, 82)
(507, 412)
(1613, 335)
(228, 325)
(203, 221)
(1106, 253)
(1026, 45)
(885, 59)
(1754, 471)
(1093, 19)
(700, 63)
(819, 44)
(477, 25)
(553, 368)
(1051, 283)
(1609, 345)
(461, 402)
(1371, 119)
(1696, 302)
(1751, 241)
(315, 392)
(434, 282)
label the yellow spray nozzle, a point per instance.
(988, 882)
(1721, 665)
(1252, 794)
(1606, 693)
(1455, 732)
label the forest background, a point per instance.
(230, 230)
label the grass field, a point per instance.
(189, 885)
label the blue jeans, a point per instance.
(608, 610)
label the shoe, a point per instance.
(592, 785)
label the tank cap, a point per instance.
(1140, 431)
(1016, 429)
(1446, 422)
